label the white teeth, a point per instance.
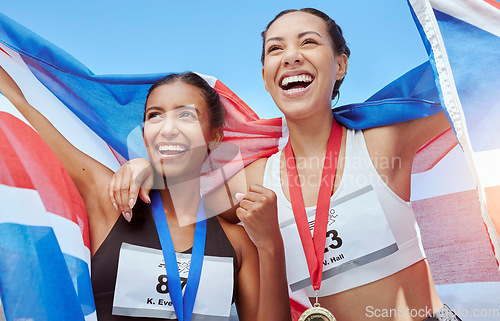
(301, 78)
(176, 148)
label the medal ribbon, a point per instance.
(183, 305)
(314, 246)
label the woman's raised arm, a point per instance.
(135, 179)
(412, 135)
(90, 177)
(262, 286)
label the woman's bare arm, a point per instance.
(415, 133)
(392, 148)
(90, 177)
(262, 286)
(135, 179)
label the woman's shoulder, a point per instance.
(406, 138)
(383, 140)
(254, 172)
(238, 237)
(234, 232)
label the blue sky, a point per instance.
(220, 39)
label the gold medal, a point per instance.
(317, 313)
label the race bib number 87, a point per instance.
(141, 288)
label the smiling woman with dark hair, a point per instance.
(209, 263)
(333, 181)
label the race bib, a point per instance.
(141, 288)
(357, 233)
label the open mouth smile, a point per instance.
(172, 149)
(296, 82)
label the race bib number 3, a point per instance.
(141, 288)
(357, 233)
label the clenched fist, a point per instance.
(258, 212)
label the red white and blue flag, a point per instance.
(44, 244)
(44, 253)
(456, 188)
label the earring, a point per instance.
(213, 145)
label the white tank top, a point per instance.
(372, 232)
